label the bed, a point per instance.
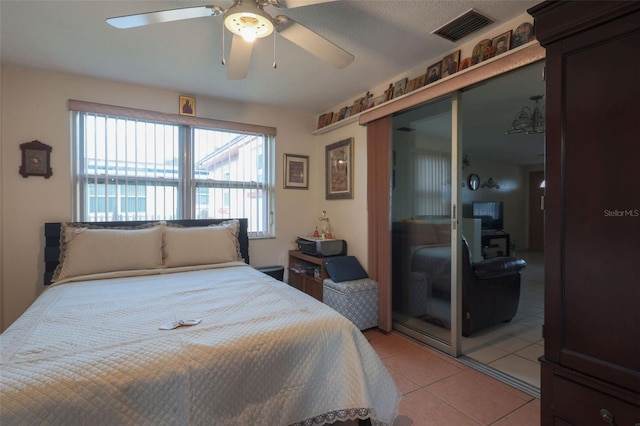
(421, 253)
(111, 342)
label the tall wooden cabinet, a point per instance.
(591, 363)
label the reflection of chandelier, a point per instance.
(527, 121)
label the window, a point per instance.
(129, 167)
(432, 179)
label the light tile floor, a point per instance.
(440, 390)
(514, 348)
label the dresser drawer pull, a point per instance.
(606, 416)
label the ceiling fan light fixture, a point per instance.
(249, 21)
(249, 34)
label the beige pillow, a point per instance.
(86, 251)
(201, 245)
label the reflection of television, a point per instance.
(490, 213)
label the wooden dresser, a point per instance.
(591, 363)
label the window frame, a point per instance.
(187, 184)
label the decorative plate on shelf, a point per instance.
(465, 63)
(481, 51)
(523, 33)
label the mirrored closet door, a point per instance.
(424, 232)
(465, 194)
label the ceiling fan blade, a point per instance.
(132, 21)
(239, 58)
(312, 42)
(290, 4)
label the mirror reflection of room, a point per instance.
(500, 176)
(503, 143)
(421, 205)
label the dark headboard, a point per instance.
(52, 238)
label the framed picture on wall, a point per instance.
(187, 106)
(411, 85)
(296, 171)
(450, 64)
(399, 88)
(501, 43)
(339, 170)
(433, 72)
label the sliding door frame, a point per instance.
(379, 143)
(453, 345)
(379, 140)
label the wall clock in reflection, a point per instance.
(474, 182)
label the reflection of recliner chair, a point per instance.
(490, 290)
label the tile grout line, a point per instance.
(449, 404)
(503, 377)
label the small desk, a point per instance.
(495, 244)
(306, 273)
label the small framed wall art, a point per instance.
(433, 72)
(296, 171)
(339, 170)
(399, 87)
(411, 85)
(187, 106)
(501, 43)
(450, 64)
(36, 159)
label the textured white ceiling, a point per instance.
(387, 38)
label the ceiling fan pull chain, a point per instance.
(274, 51)
(223, 62)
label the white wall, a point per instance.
(35, 107)
(1, 221)
(348, 217)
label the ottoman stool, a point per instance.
(357, 300)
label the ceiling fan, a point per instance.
(247, 20)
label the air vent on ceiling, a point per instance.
(463, 25)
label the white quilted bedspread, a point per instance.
(91, 353)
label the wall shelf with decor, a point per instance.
(337, 124)
(516, 52)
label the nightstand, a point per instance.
(306, 273)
